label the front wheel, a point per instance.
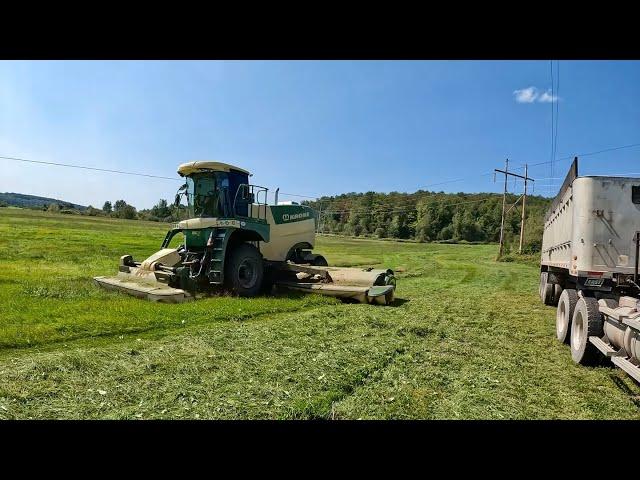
(245, 270)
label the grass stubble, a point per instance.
(467, 338)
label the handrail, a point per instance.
(251, 190)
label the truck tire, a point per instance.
(320, 261)
(564, 314)
(587, 321)
(543, 281)
(557, 291)
(245, 270)
(548, 291)
(312, 259)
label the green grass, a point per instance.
(467, 338)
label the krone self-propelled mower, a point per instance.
(234, 239)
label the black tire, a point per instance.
(587, 321)
(268, 280)
(542, 286)
(564, 314)
(320, 261)
(557, 291)
(244, 272)
(547, 292)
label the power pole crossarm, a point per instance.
(515, 174)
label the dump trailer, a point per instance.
(234, 238)
(589, 268)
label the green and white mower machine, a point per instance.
(234, 239)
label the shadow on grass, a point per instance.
(625, 388)
(397, 302)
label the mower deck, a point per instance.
(361, 285)
(155, 292)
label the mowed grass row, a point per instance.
(467, 338)
(47, 293)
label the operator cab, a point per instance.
(215, 189)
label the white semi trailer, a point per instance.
(589, 268)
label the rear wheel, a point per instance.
(543, 280)
(245, 270)
(564, 314)
(586, 322)
(557, 291)
(319, 261)
(547, 290)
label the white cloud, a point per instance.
(526, 95)
(546, 97)
(532, 94)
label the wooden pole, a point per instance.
(504, 201)
(524, 203)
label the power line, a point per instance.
(570, 157)
(122, 172)
(89, 168)
(453, 181)
(301, 196)
(551, 64)
(557, 103)
(316, 198)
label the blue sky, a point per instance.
(309, 127)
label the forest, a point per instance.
(432, 217)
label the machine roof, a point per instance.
(193, 167)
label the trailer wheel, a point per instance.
(312, 259)
(587, 321)
(320, 261)
(543, 281)
(564, 314)
(557, 291)
(548, 291)
(245, 270)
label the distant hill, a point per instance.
(33, 201)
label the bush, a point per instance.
(92, 212)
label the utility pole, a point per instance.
(526, 178)
(524, 205)
(504, 201)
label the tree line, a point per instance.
(432, 217)
(160, 212)
(422, 216)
